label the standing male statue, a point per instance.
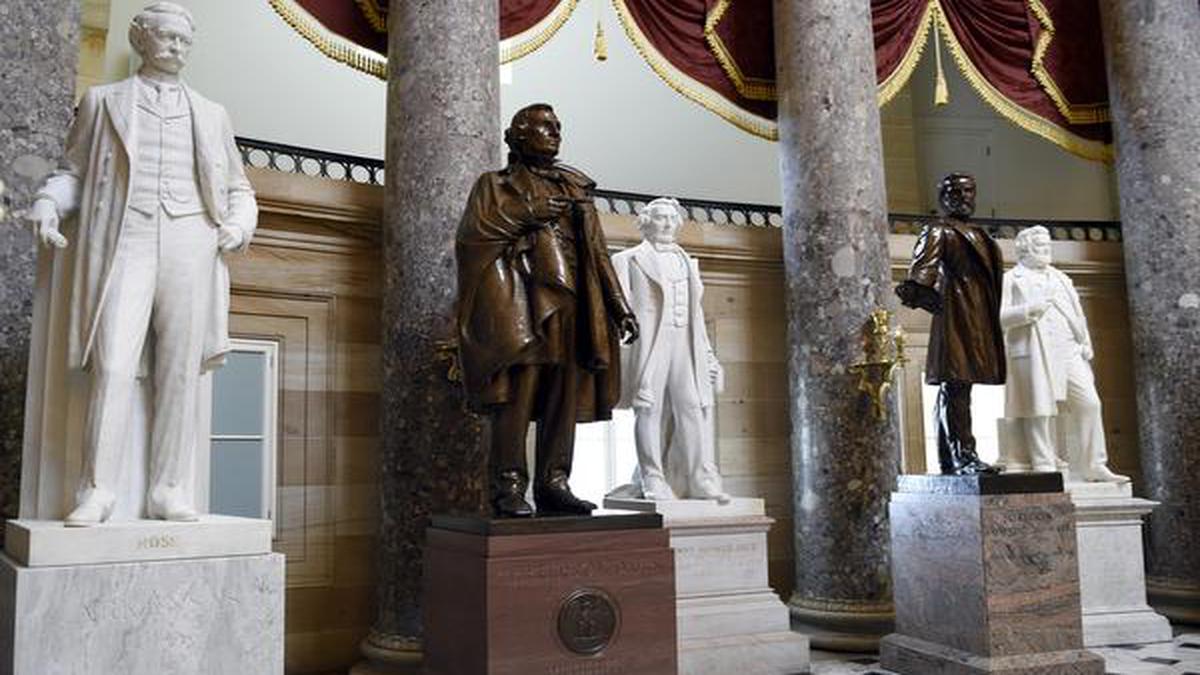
(956, 275)
(539, 314)
(1049, 353)
(671, 372)
(150, 193)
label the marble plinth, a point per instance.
(1112, 577)
(729, 620)
(37, 543)
(549, 595)
(184, 617)
(986, 578)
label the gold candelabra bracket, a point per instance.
(883, 354)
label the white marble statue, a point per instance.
(1049, 352)
(670, 374)
(132, 284)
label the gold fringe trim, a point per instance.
(1083, 113)
(531, 40)
(753, 88)
(690, 88)
(895, 82)
(1088, 149)
(376, 16)
(329, 43)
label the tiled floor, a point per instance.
(1181, 657)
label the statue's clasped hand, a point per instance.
(629, 329)
(230, 238)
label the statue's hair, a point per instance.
(1025, 237)
(141, 22)
(515, 133)
(665, 203)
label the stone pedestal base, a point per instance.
(986, 578)
(190, 617)
(549, 595)
(905, 654)
(729, 619)
(1112, 579)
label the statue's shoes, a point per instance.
(1045, 468)
(95, 508)
(1102, 474)
(717, 496)
(511, 506)
(168, 503)
(656, 488)
(553, 499)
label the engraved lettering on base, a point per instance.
(587, 621)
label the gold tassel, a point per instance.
(941, 89)
(600, 47)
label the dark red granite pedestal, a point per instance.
(554, 596)
(985, 578)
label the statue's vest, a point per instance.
(165, 168)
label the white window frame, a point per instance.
(269, 437)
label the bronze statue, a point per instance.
(540, 313)
(956, 275)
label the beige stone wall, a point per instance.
(311, 281)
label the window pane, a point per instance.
(236, 479)
(238, 395)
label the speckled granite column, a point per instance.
(1153, 51)
(38, 49)
(844, 459)
(442, 132)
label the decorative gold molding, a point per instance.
(1076, 113)
(1088, 149)
(329, 43)
(531, 40)
(755, 89)
(689, 87)
(893, 83)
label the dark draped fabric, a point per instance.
(1039, 63)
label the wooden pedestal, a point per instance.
(577, 595)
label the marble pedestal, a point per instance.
(201, 612)
(569, 595)
(1112, 577)
(986, 578)
(729, 620)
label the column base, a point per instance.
(913, 656)
(1125, 628)
(848, 629)
(1179, 603)
(390, 655)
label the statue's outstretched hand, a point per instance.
(629, 329)
(43, 219)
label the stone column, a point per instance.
(39, 46)
(1153, 54)
(844, 459)
(442, 132)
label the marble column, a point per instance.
(442, 132)
(39, 46)
(844, 459)
(1153, 54)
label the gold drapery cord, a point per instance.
(531, 40)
